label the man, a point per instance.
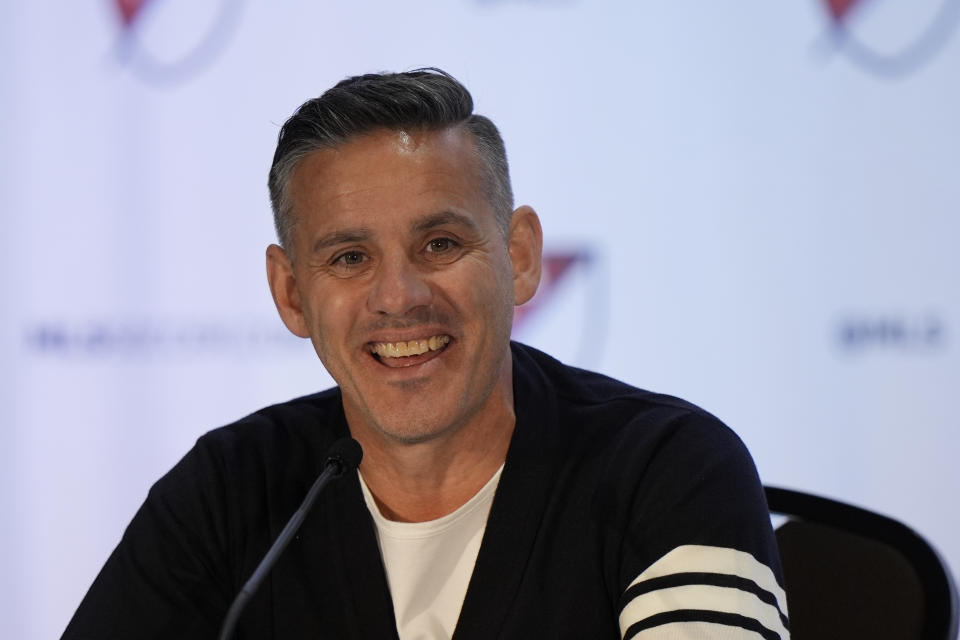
(501, 493)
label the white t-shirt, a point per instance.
(429, 564)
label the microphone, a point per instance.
(344, 455)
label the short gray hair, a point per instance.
(425, 99)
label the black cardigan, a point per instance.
(601, 480)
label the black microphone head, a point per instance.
(346, 454)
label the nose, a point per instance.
(398, 288)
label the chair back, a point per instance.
(851, 573)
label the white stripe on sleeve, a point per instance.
(696, 631)
(732, 589)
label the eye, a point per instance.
(440, 245)
(350, 259)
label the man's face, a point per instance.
(402, 280)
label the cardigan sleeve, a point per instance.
(699, 559)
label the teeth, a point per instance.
(411, 348)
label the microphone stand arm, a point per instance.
(333, 470)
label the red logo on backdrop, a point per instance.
(839, 8)
(568, 316)
(129, 10)
(167, 42)
(890, 38)
(555, 268)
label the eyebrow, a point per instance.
(341, 236)
(444, 217)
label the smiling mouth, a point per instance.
(385, 351)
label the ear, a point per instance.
(283, 286)
(526, 249)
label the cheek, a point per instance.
(329, 317)
(490, 293)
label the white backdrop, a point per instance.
(752, 205)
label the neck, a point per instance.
(416, 482)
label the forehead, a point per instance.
(387, 176)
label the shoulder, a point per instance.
(306, 417)
(589, 388)
(632, 421)
(282, 440)
(662, 468)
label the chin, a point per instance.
(415, 427)
(410, 435)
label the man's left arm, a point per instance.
(700, 558)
